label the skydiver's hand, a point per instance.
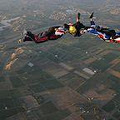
(83, 31)
(66, 31)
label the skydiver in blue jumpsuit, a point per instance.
(105, 34)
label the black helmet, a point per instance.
(98, 28)
(66, 26)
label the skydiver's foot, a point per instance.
(91, 16)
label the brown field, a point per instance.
(74, 116)
(81, 74)
(64, 99)
(5, 86)
(74, 81)
(19, 116)
(15, 64)
(115, 73)
(0, 73)
(15, 61)
(55, 70)
(30, 102)
(115, 62)
(67, 67)
(90, 60)
(107, 96)
(99, 51)
(105, 52)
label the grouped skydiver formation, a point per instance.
(77, 29)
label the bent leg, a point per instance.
(92, 23)
(55, 37)
(29, 36)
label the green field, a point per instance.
(114, 104)
(114, 83)
(110, 119)
(9, 107)
(101, 65)
(2, 79)
(7, 113)
(117, 67)
(110, 57)
(16, 81)
(48, 111)
(71, 80)
(34, 75)
(9, 102)
(46, 85)
(93, 82)
(109, 107)
(15, 93)
(117, 114)
(48, 108)
(60, 115)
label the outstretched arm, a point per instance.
(78, 17)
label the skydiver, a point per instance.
(78, 25)
(75, 29)
(105, 34)
(52, 33)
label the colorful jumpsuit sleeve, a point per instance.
(60, 31)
